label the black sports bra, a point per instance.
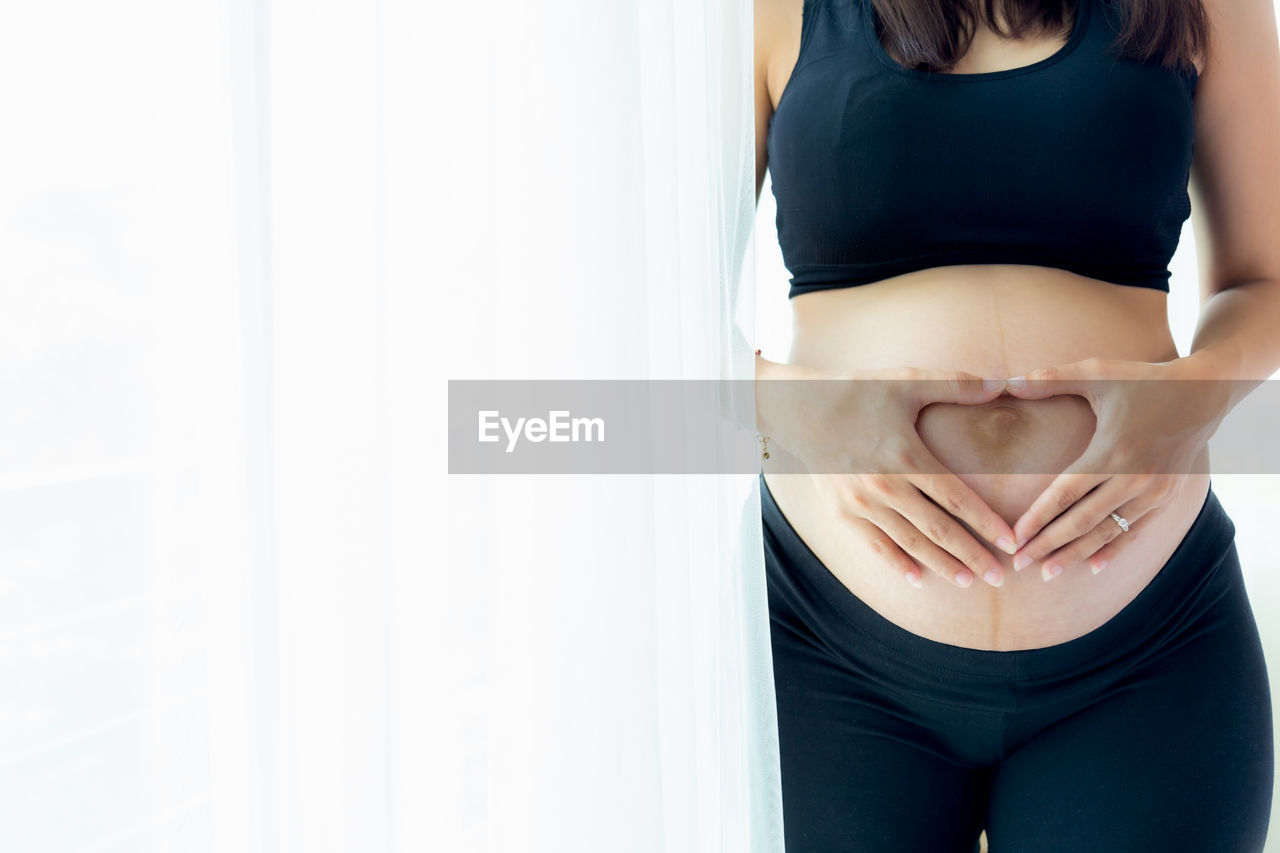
(1078, 161)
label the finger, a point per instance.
(1080, 519)
(1083, 547)
(922, 549)
(1131, 512)
(1062, 494)
(952, 494)
(887, 550)
(1136, 493)
(1074, 378)
(1079, 549)
(954, 386)
(946, 532)
(846, 507)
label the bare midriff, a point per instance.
(993, 321)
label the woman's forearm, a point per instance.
(783, 390)
(755, 407)
(1237, 339)
(767, 371)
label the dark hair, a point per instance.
(933, 34)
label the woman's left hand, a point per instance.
(1148, 435)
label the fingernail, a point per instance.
(914, 580)
(1052, 570)
(964, 578)
(992, 384)
(1004, 543)
(1021, 563)
(1016, 382)
(993, 577)
(1099, 566)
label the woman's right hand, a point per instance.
(858, 441)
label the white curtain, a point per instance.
(243, 606)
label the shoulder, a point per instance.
(1242, 33)
(1235, 177)
(781, 12)
(777, 38)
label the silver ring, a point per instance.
(1123, 522)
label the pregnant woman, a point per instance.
(1015, 608)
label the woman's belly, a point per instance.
(990, 320)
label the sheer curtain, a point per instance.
(607, 637)
(243, 606)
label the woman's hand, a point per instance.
(1148, 435)
(858, 441)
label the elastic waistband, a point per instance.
(1176, 587)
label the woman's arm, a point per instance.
(1235, 187)
(903, 515)
(1149, 428)
(777, 45)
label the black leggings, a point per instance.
(1150, 733)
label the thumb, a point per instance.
(957, 386)
(1074, 378)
